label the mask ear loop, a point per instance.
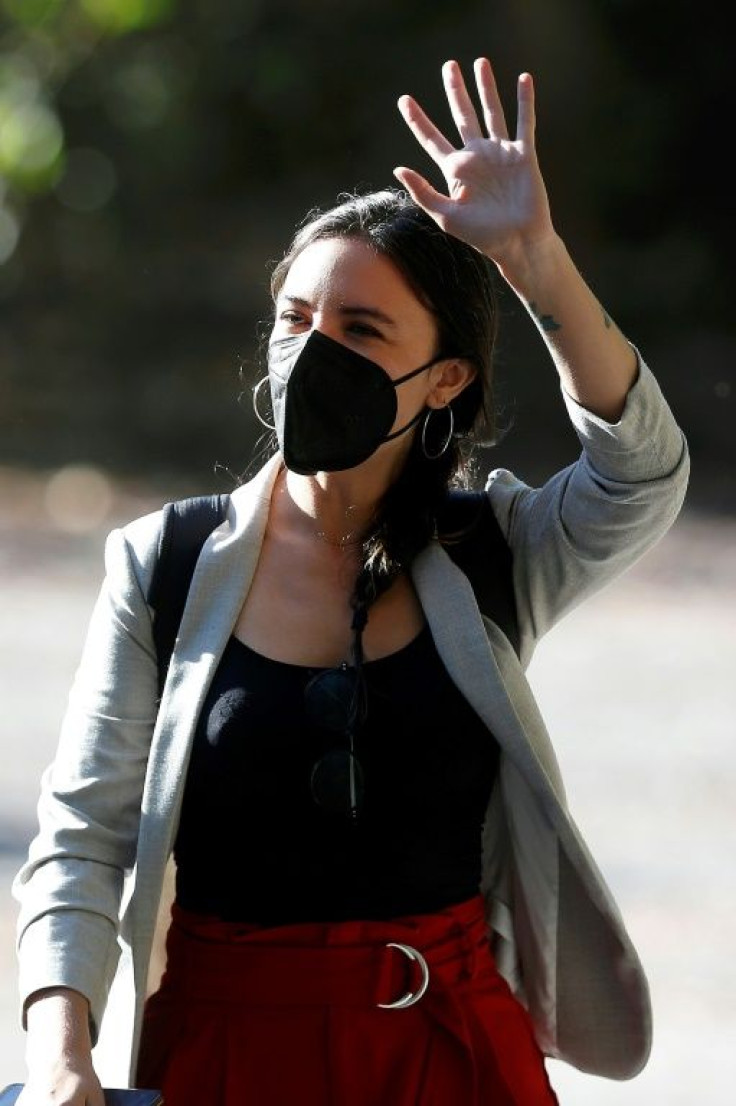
(256, 390)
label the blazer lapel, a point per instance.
(220, 583)
(482, 664)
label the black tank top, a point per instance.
(254, 846)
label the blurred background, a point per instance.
(155, 158)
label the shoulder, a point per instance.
(131, 551)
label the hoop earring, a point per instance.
(450, 432)
(256, 390)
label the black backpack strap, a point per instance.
(185, 526)
(470, 533)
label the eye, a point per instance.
(364, 330)
(290, 316)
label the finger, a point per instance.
(493, 115)
(422, 192)
(525, 113)
(461, 106)
(427, 135)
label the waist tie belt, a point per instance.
(435, 963)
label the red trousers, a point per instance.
(249, 1016)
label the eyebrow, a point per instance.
(348, 309)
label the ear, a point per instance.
(447, 380)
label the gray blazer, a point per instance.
(91, 889)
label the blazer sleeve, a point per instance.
(593, 520)
(70, 886)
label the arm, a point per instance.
(498, 203)
(593, 520)
(596, 364)
(71, 885)
(59, 1051)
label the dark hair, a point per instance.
(455, 283)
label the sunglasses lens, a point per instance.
(337, 782)
(329, 698)
(331, 703)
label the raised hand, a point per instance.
(496, 198)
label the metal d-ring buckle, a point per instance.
(411, 996)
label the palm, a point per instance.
(495, 192)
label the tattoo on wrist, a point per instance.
(547, 322)
(607, 320)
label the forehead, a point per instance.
(335, 271)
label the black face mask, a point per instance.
(332, 407)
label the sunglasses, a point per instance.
(335, 702)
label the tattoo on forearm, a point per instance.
(607, 321)
(547, 322)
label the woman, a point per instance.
(380, 893)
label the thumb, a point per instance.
(423, 193)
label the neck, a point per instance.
(339, 506)
(333, 509)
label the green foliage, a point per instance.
(45, 44)
(123, 16)
(32, 13)
(31, 135)
(31, 145)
